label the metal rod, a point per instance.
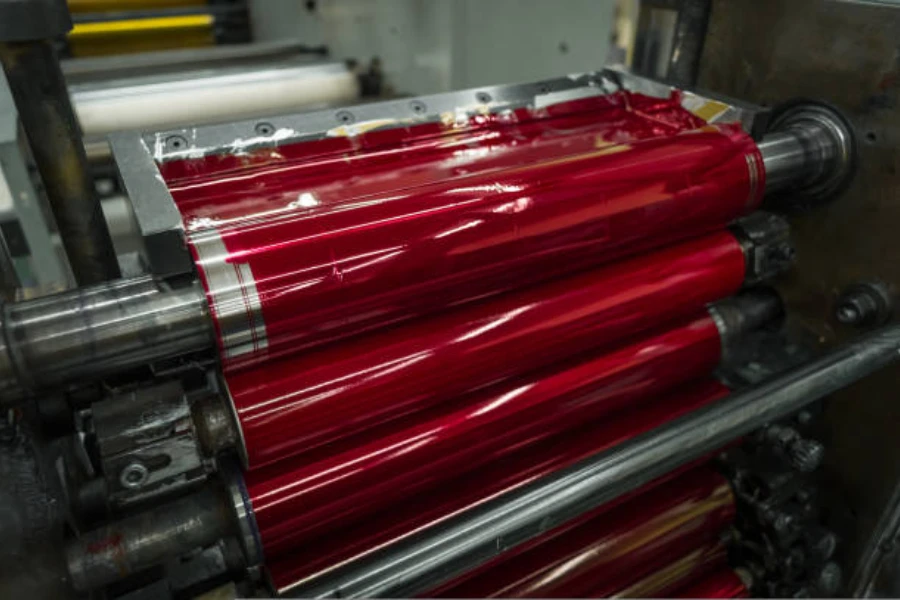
(785, 159)
(42, 101)
(690, 34)
(93, 331)
(110, 553)
(439, 554)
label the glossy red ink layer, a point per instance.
(619, 547)
(721, 583)
(242, 185)
(671, 572)
(355, 541)
(315, 497)
(295, 404)
(328, 261)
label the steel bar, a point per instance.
(687, 46)
(473, 538)
(93, 331)
(43, 104)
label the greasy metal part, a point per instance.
(471, 539)
(687, 47)
(865, 304)
(115, 551)
(42, 100)
(147, 444)
(809, 152)
(747, 311)
(766, 239)
(805, 455)
(215, 424)
(93, 331)
(22, 20)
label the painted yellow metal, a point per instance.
(141, 35)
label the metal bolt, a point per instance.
(806, 455)
(134, 475)
(864, 304)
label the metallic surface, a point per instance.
(766, 239)
(784, 154)
(93, 331)
(242, 513)
(157, 216)
(108, 554)
(724, 582)
(294, 503)
(294, 573)
(736, 316)
(865, 304)
(829, 144)
(618, 547)
(687, 44)
(42, 100)
(473, 538)
(147, 443)
(391, 243)
(291, 405)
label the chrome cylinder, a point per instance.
(94, 331)
(810, 150)
(442, 553)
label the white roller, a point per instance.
(212, 97)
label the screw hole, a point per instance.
(870, 136)
(345, 117)
(176, 142)
(417, 106)
(543, 88)
(265, 129)
(483, 97)
(563, 48)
